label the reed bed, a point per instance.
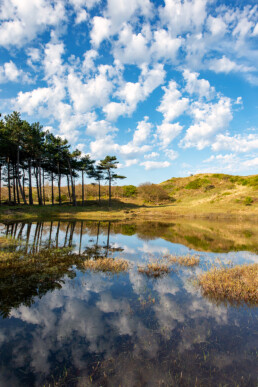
(188, 260)
(156, 269)
(234, 284)
(110, 265)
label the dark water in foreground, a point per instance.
(61, 325)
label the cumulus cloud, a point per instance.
(148, 165)
(209, 119)
(200, 87)
(10, 73)
(172, 105)
(225, 65)
(167, 132)
(238, 143)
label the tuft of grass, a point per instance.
(188, 260)
(248, 201)
(156, 269)
(105, 265)
(197, 183)
(233, 284)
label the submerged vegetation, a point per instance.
(109, 265)
(155, 269)
(187, 260)
(233, 284)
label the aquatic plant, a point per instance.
(187, 260)
(107, 265)
(234, 284)
(155, 269)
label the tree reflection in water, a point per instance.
(82, 328)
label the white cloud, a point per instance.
(209, 120)
(155, 164)
(99, 129)
(151, 155)
(171, 154)
(94, 93)
(217, 26)
(164, 46)
(23, 20)
(10, 73)
(225, 65)
(182, 16)
(201, 87)
(251, 163)
(142, 132)
(88, 63)
(132, 93)
(172, 105)
(238, 143)
(167, 132)
(101, 30)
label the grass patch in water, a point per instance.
(234, 284)
(110, 265)
(156, 269)
(188, 260)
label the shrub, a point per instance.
(248, 201)
(197, 183)
(63, 198)
(153, 193)
(129, 190)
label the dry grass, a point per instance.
(109, 265)
(188, 260)
(234, 284)
(155, 269)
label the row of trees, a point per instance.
(30, 157)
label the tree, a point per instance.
(107, 165)
(86, 165)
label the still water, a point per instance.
(61, 325)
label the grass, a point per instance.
(233, 284)
(188, 260)
(107, 265)
(156, 269)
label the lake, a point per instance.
(63, 325)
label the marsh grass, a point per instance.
(155, 269)
(188, 260)
(109, 265)
(233, 284)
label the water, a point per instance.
(62, 325)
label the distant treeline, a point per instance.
(33, 161)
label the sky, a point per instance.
(169, 87)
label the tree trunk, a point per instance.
(82, 188)
(37, 182)
(30, 185)
(9, 179)
(52, 188)
(69, 191)
(59, 183)
(40, 186)
(14, 190)
(99, 191)
(18, 177)
(109, 190)
(43, 182)
(73, 189)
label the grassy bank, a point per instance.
(214, 196)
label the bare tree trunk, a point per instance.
(52, 187)
(30, 184)
(109, 191)
(69, 191)
(43, 175)
(9, 179)
(18, 177)
(99, 191)
(37, 183)
(40, 186)
(82, 188)
(14, 191)
(59, 183)
(73, 189)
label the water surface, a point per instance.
(62, 325)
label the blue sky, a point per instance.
(169, 87)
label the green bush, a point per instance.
(197, 183)
(248, 201)
(63, 198)
(129, 191)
